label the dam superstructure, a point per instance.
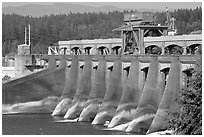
(131, 82)
(139, 36)
(187, 44)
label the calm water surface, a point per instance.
(43, 124)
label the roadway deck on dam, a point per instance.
(184, 59)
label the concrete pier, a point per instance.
(71, 79)
(84, 86)
(130, 96)
(99, 84)
(149, 100)
(83, 90)
(63, 62)
(51, 62)
(114, 91)
(97, 93)
(112, 96)
(70, 86)
(168, 102)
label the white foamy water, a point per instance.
(45, 105)
(67, 120)
(21, 107)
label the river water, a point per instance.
(43, 124)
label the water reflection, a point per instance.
(38, 124)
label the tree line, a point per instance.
(48, 30)
(187, 20)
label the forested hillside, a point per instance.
(47, 30)
(187, 20)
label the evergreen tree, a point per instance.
(47, 30)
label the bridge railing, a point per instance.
(184, 59)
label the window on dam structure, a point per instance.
(173, 49)
(153, 50)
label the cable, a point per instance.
(43, 37)
(45, 33)
(43, 41)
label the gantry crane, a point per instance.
(170, 23)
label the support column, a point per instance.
(52, 62)
(124, 77)
(108, 75)
(164, 32)
(123, 42)
(144, 73)
(84, 86)
(97, 93)
(163, 48)
(130, 96)
(71, 79)
(168, 102)
(112, 96)
(114, 91)
(126, 73)
(161, 84)
(83, 90)
(149, 100)
(141, 41)
(183, 84)
(99, 84)
(71, 75)
(184, 47)
(70, 51)
(133, 87)
(80, 70)
(184, 50)
(63, 62)
(151, 83)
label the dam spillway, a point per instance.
(103, 83)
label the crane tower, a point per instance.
(170, 23)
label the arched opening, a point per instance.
(153, 49)
(127, 69)
(76, 50)
(192, 49)
(116, 50)
(110, 68)
(103, 50)
(63, 50)
(153, 33)
(173, 50)
(145, 70)
(87, 50)
(166, 72)
(82, 66)
(188, 74)
(95, 67)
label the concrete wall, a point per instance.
(154, 89)
(9, 71)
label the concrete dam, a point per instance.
(132, 93)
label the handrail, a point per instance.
(185, 59)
